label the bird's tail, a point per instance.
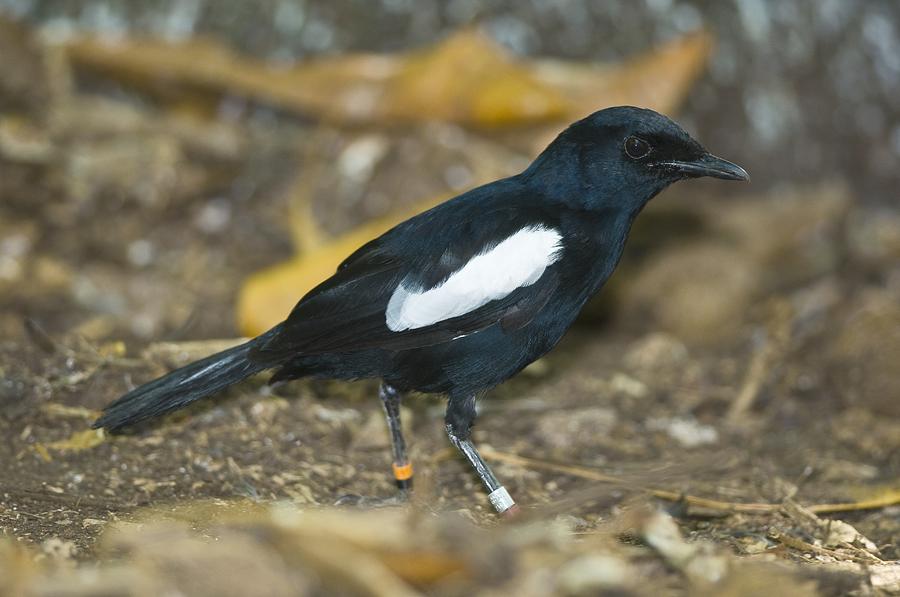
(183, 386)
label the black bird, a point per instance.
(460, 298)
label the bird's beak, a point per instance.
(709, 165)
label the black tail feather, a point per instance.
(183, 386)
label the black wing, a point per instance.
(347, 312)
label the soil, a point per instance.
(739, 375)
(619, 396)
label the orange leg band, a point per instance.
(402, 472)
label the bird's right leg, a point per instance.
(459, 419)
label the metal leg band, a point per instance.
(501, 500)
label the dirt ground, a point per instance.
(738, 377)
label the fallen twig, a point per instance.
(889, 499)
(859, 555)
(778, 338)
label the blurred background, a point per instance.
(176, 174)
(795, 88)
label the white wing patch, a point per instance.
(517, 261)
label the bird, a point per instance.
(461, 297)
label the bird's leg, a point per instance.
(459, 419)
(403, 471)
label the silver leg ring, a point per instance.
(501, 500)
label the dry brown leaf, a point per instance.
(466, 78)
(221, 547)
(699, 561)
(470, 79)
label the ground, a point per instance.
(754, 416)
(723, 419)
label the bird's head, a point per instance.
(626, 155)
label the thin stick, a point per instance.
(776, 342)
(890, 499)
(801, 545)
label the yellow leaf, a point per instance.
(469, 78)
(268, 296)
(80, 440)
(466, 78)
(61, 410)
(41, 450)
(115, 349)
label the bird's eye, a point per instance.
(636, 148)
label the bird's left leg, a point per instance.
(459, 419)
(403, 472)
